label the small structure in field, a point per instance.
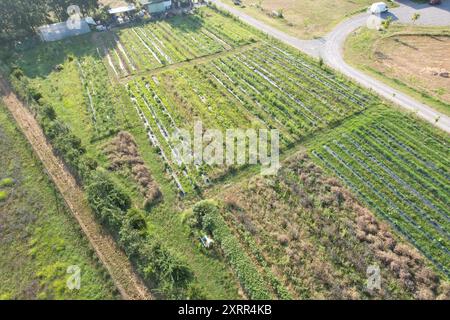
(378, 8)
(156, 6)
(62, 30)
(206, 241)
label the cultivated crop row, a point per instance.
(390, 166)
(160, 43)
(259, 87)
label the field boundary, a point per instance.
(128, 283)
(191, 62)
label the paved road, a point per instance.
(330, 48)
(311, 47)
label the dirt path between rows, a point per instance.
(122, 273)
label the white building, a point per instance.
(62, 30)
(156, 6)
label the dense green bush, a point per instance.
(107, 200)
(163, 267)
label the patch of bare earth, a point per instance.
(422, 62)
(122, 273)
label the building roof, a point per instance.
(129, 8)
(146, 2)
(61, 30)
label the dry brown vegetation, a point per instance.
(123, 153)
(302, 18)
(421, 61)
(320, 240)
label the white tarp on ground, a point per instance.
(61, 30)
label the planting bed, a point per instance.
(400, 169)
(165, 42)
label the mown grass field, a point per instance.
(154, 79)
(412, 59)
(305, 19)
(39, 237)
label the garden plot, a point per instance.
(100, 104)
(402, 172)
(306, 229)
(259, 87)
(160, 43)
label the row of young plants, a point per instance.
(240, 91)
(318, 74)
(157, 135)
(158, 265)
(99, 97)
(190, 98)
(340, 97)
(279, 99)
(392, 171)
(116, 58)
(145, 47)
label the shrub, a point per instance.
(107, 199)
(3, 195)
(7, 182)
(165, 268)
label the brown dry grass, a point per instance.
(419, 61)
(303, 18)
(320, 240)
(123, 152)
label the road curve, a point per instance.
(332, 54)
(310, 47)
(330, 48)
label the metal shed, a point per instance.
(62, 30)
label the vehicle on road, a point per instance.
(378, 8)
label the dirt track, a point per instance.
(124, 277)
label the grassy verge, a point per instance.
(303, 19)
(359, 52)
(39, 239)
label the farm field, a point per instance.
(110, 102)
(410, 58)
(401, 173)
(300, 17)
(306, 230)
(39, 239)
(149, 46)
(259, 83)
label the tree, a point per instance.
(20, 18)
(387, 23)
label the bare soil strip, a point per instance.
(129, 284)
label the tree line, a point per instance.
(20, 18)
